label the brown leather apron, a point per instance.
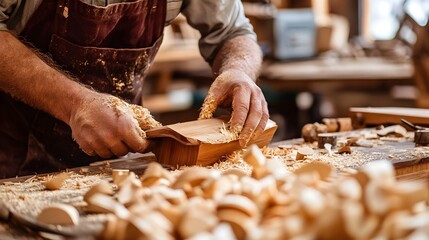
(107, 48)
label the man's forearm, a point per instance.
(240, 53)
(25, 76)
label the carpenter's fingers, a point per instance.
(88, 151)
(252, 121)
(150, 145)
(209, 106)
(131, 133)
(240, 109)
(264, 119)
(102, 150)
(144, 147)
(119, 148)
(85, 145)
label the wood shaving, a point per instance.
(143, 116)
(208, 108)
(228, 135)
(281, 199)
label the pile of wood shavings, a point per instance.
(312, 203)
(338, 161)
(30, 197)
(287, 156)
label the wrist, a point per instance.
(234, 74)
(76, 97)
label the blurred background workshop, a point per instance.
(344, 155)
(321, 58)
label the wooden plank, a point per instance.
(376, 69)
(388, 115)
(415, 176)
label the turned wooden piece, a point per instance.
(331, 124)
(323, 138)
(59, 214)
(421, 137)
(254, 157)
(345, 124)
(310, 131)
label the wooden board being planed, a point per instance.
(201, 142)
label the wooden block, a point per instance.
(196, 221)
(119, 174)
(100, 203)
(381, 170)
(324, 170)
(421, 137)
(199, 142)
(154, 173)
(345, 124)
(310, 131)
(59, 214)
(254, 157)
(239, 221)
(323, 138)
(331, 124)
(101, 187)
(192, 176)
(235, 171)
(239, 203)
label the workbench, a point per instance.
(331, 73)
(23, 194)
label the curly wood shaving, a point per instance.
(143, 116)
(208, 108)
(227, 136)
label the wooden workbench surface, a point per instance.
(27, 196)
(351, 72)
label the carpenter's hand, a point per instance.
(234, 89)
(105, 125)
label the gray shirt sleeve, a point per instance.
(217, 21)
(7, 8)
(14, 14)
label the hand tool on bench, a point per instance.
(421, 134)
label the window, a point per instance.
(381, 18)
